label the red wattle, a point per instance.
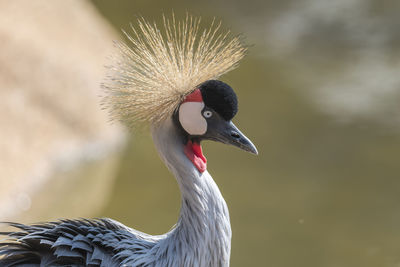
(195, 155)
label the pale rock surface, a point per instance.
(52, 61)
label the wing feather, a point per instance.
(70, 242)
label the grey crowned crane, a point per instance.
(167, 79)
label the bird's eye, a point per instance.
(207, 114)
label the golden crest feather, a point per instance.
(151, 76)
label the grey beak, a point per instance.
(226, 132)
(235, 137)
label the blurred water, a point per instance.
(347, 52)
(319, 97)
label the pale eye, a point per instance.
(207, 114)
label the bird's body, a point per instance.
(202, 235)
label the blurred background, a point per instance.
(318, 93)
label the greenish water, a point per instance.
(320, 193)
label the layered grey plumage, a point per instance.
(201, 237)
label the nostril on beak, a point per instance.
(235, 135)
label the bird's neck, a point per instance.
(203, 230)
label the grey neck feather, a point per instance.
(202, 236)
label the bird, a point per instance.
(164, 77)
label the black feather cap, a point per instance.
(220, 97)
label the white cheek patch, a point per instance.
(191, 119)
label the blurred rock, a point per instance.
(52, 61)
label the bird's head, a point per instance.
(171, 72)
(206, 114)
